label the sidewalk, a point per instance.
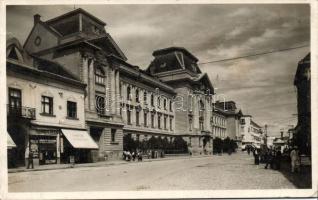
(97, 164)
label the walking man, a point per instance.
(30, 160)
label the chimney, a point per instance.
(36, 18)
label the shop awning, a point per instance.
(79, 139)
(10, 142)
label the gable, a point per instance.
(40, 38)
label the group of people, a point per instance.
(131, 156)
(272, 157)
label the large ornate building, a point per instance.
(171, 98)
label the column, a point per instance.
(113, 92)
(91, 85)
(85, 80)
(117, 99)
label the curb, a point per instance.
(108, 164)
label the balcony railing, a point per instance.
(23, 112)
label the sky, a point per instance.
(262, 86)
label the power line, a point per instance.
(253, 55)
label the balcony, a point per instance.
(21, 112)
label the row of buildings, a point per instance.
(71, 91)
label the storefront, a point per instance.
(77, 144)
(44, 146)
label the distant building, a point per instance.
(233, 116)
(250, 131)
(219, 123)
(302, 137)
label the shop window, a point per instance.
(99, 76)
(113, 135)
(47, 105)
(71, 109)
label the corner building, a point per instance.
(178, 68)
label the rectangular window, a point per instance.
(99, 79)
(15, 101)
(47, 105)
(128, 115)
(137, 117)
(165, 122)
(165, 104)
(152, 121)
(113, 135)
(145, 119)
(159, 121)
(170, 123)
(190, 123)
(170, 106)
(71, 109)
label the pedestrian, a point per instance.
(133, 155)
(248, 150)
(30, 160)
(268, 158)
(139, 156)
(294, 158)
(256, 156)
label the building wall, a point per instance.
(48, 39)
(218, 125)
(31, 97)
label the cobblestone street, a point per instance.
(216, 172)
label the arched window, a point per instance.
(128, 93)
(99, 76)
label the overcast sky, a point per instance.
(262, 85)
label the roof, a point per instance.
(52, 67)
(108, 38)
(171, 49)
(74, 12)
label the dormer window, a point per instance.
(99, 76)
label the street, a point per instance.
(236, 171)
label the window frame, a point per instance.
(48, 103)
(69, 106)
